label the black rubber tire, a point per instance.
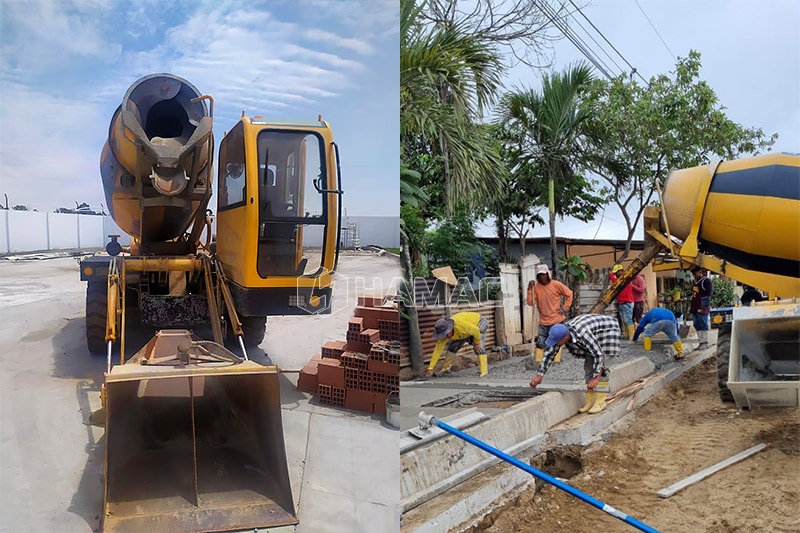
(723, 362)
(254, 328)
(96, 310)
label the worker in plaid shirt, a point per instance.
(593, 337)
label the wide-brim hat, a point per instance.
(442, 328)
(542, 268)
(557, 332)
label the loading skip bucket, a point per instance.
(195, 449)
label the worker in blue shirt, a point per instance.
(657, 320)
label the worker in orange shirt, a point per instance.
(552, 299)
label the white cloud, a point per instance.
(69, 64)
(39, 38)
(332, 40)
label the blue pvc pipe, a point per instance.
(544, 477)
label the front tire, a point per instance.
(254, 329)
(723, 364)
(96, 312)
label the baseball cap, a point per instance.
(557, 332)
(617, 268)
(442, 328)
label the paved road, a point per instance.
(51, 456)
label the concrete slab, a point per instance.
(343, 453)
(331, 514)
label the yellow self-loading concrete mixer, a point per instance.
(739, 219)
(194, 440)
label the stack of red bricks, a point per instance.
(362, 371)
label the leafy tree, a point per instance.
(548, 127)
(454, 244)
(722, 292)
(521, 27)
(640, 133)
(576, 271)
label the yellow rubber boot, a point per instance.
(538, 355)
(557, 358)
(483, 362)
(678, 349)
(648, 343)
(631, 330)
(590, 398)
(600, 395)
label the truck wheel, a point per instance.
(96, 305)
(723, 362)
(254, 328)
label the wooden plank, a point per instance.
(694, 478)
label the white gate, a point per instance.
(530, 315)
(509, 285)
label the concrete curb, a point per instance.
(434, 469)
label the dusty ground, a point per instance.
(678, 433)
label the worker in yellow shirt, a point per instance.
(453, 333)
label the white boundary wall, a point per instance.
(33, 231)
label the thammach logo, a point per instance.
(343, 292)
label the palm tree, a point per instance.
(447, 79)
(448, 76)
(550, 125)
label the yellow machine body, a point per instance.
(278, 215)
(739, 219)
(194, 439)
(746, 212)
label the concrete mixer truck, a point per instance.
(194, 439)
(739, 219)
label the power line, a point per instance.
(595, 40)
(579, 44)
(633, 69)
(655, 30)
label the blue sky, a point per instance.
(750, 57)
(66, 66)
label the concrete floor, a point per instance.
(51, 456)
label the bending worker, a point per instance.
(454, 333)
(593, 337)
(552, 298)
(663, 320)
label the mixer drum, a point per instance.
(157, 159)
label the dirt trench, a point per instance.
(679, 432)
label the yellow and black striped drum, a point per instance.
(750, 214)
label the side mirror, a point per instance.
(234, 170)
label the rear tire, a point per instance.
(254, 329)
(723, 363)
(96, 311)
